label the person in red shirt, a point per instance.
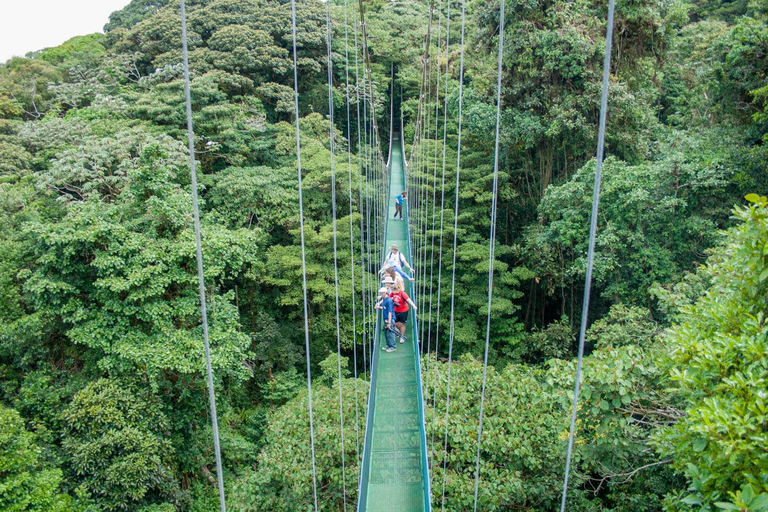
(401, 301)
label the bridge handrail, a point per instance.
(365, 461)
(417, 359)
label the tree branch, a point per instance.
(627, 476)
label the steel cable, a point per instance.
(303, 251)
(351, 234)
(455, 241)
(332, 144)
(592, 236)
(199, 257)
(491, 249)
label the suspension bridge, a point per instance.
(394, 473)
(394, 469)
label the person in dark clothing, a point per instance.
(388, 311)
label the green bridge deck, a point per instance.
(394, 476)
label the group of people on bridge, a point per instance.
(393, 300)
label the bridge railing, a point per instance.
(365, 467)
(417, 359)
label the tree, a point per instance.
(622, 402)
(117, 445)
(654, 220)
(283, 479)
(522, 450)
(133, 13)
(25, 484)
(717, 363)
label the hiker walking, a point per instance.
(395, 259)
(400, 299)
(391, 277)
(399, 200)
(388, 312)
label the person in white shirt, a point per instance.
(395, 259)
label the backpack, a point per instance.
(401, 258)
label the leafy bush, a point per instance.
(24, 483)
(117, 442)
(283, 479)
(718, 364)
(522, 452)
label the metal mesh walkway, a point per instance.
(394, 477)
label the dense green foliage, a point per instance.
(25, 484)
(102, 389)
(718, 364)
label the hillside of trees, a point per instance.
(103, 396)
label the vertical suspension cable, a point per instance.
(370, 182)
(303, 252)
(367, 160)
(351, 233)
(199, 257)
(434, 189)
(491, 248)
(429, 363)
(361, 205)
(451, 335)
(332, 142)
(442, 202)
(374, 127)
(367, 234)
(416, 186)
(592, 236)
(422, 190)
(423, 218)
(424, 327)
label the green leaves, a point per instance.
(521, 456)
(117, 444)
(717, 362)
(745, 499)
(283, 479)
(25, 483)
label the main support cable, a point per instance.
(455, 241)
(303, 253)
(199, 256)
(591, 251)
(332, 143)
(491, 248)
